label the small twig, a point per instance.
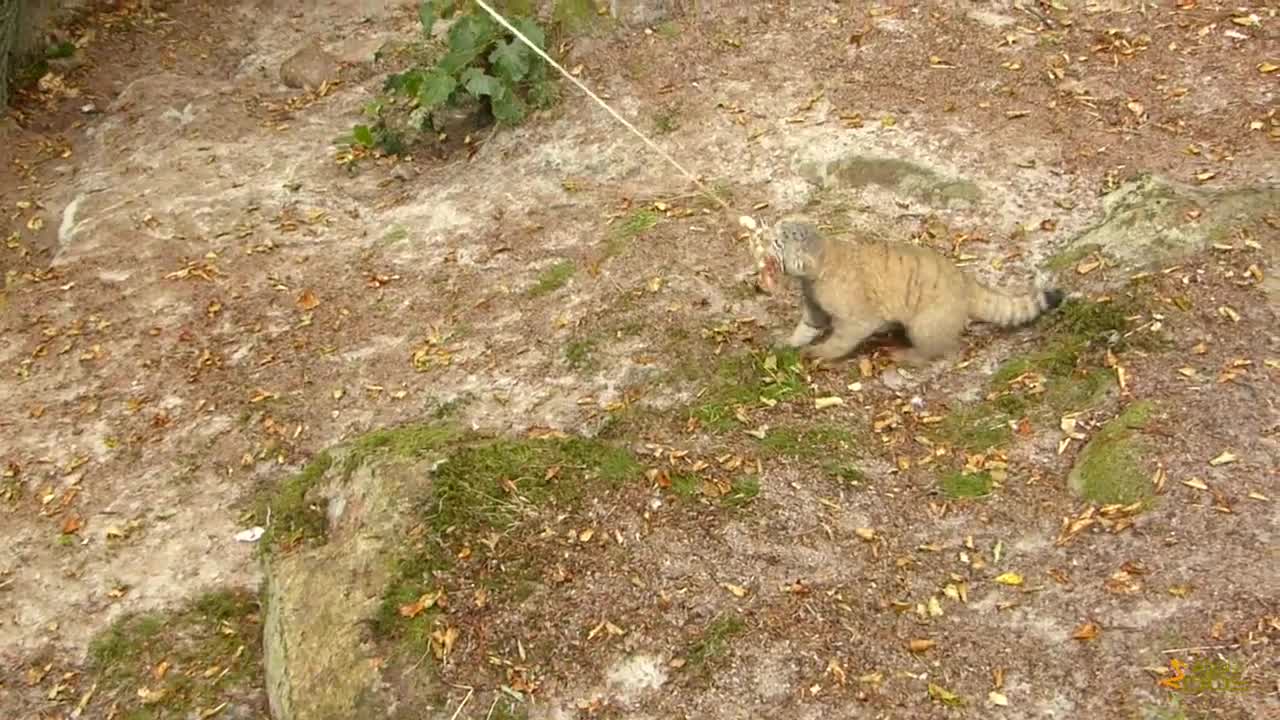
(492, 708)
(465, 700)
(414, 666)
(1199, 648)
(1048, 22)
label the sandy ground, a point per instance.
(199, 299)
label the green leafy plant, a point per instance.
(483, 64)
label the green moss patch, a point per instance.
(747, 381)
(742, 489)
(182, 663)
(1067, 373)
(1112, 466)
(807, 442)
(574, 16)
(713, 643)
(578, 354)
(959, 485)
(483, 487)
(290, 515)
(294, 516)
(553, 278)
(636, 223)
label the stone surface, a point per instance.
(1152, 220)
(318, 664)
(900, 176)
(360, 49)
(309, 67)
(644, 12)
(1113, 466)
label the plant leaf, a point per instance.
(531, 30)
(478, 83)
(362, 135)
(507, 108)
(406, 83)
(427, 15)
(437, 86)
(472, 33)
(510, 61)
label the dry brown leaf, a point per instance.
(308, 300)
(1196, 483)
(443, 641)
(1085, 632)
(834, 669)
(72, 524)
(415, 608)
(1087, 266)
(921, 645)
(1122, 582)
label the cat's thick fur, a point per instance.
(857, 288)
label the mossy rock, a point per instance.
(372, 514)
(1145, 221)
(894, 174)
(1112, 468)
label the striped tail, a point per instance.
(993, 306)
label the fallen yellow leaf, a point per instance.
(1009, 578)
(943, 695)
(1225, 458)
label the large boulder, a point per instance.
(320, 662)
(1151, 221)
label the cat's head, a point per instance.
(792, 245)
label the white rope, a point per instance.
(652, 145)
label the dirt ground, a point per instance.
(199, 299)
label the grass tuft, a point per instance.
(553, 278)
